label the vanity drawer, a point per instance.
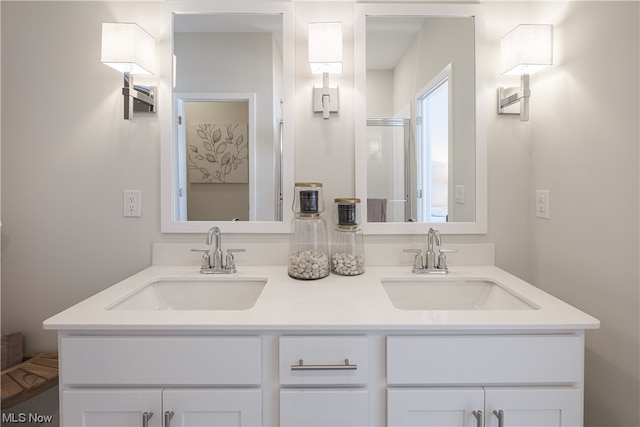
(301, 407)
(161, 360)
(325, 360)
(484, 360)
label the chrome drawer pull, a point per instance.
(500, 415)
(146, 416)
(302, 367)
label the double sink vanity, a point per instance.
(169, 346)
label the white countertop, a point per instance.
(335, 303)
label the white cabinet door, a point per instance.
(324, 407)
(211, 408)
(454, 407)
(190, 407)
(441, 407)
(111, 408)
(536, 406)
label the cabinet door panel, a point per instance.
(211, 408)
(539, 407)
(111, 408)
(328, 407)
(441, 407)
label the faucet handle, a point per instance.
(447, 251)
(417, 261)
(442, 258)
(206, 258)
(230, 262)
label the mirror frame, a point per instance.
(479, 226)
(167, 111)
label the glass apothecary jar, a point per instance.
(347, 244)
(308, 246)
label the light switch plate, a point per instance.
(460, 194)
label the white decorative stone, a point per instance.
(308, 265)
(347, 264)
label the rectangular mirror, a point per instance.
(420, 146)
(228, 160)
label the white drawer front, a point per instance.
(324, 407)
(161, 360)
(484, 360)
(324, 360)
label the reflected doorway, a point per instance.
(432, 146)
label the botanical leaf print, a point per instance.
(217, 135)
(218, 153)
(222, 147)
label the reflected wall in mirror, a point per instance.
(230, 160)
(418, 150)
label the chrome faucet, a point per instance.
(430, 261)
(216, 250)
(431, 264)
(212, 259)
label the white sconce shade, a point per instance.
(131, 50)
(527, 49)
(325, 47)
(127, 48)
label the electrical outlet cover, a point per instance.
(542, 204)
(132, 200)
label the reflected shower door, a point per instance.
(387, 168)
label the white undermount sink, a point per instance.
(453, 294)
(209, 293)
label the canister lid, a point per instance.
(345, 200)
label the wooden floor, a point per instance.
(34, 375)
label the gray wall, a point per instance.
(67, 155)
(588, 253)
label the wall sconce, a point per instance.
(325, 56)
(131, 50)
(527, 49)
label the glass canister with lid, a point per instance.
(308, 246)
(347, 246)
